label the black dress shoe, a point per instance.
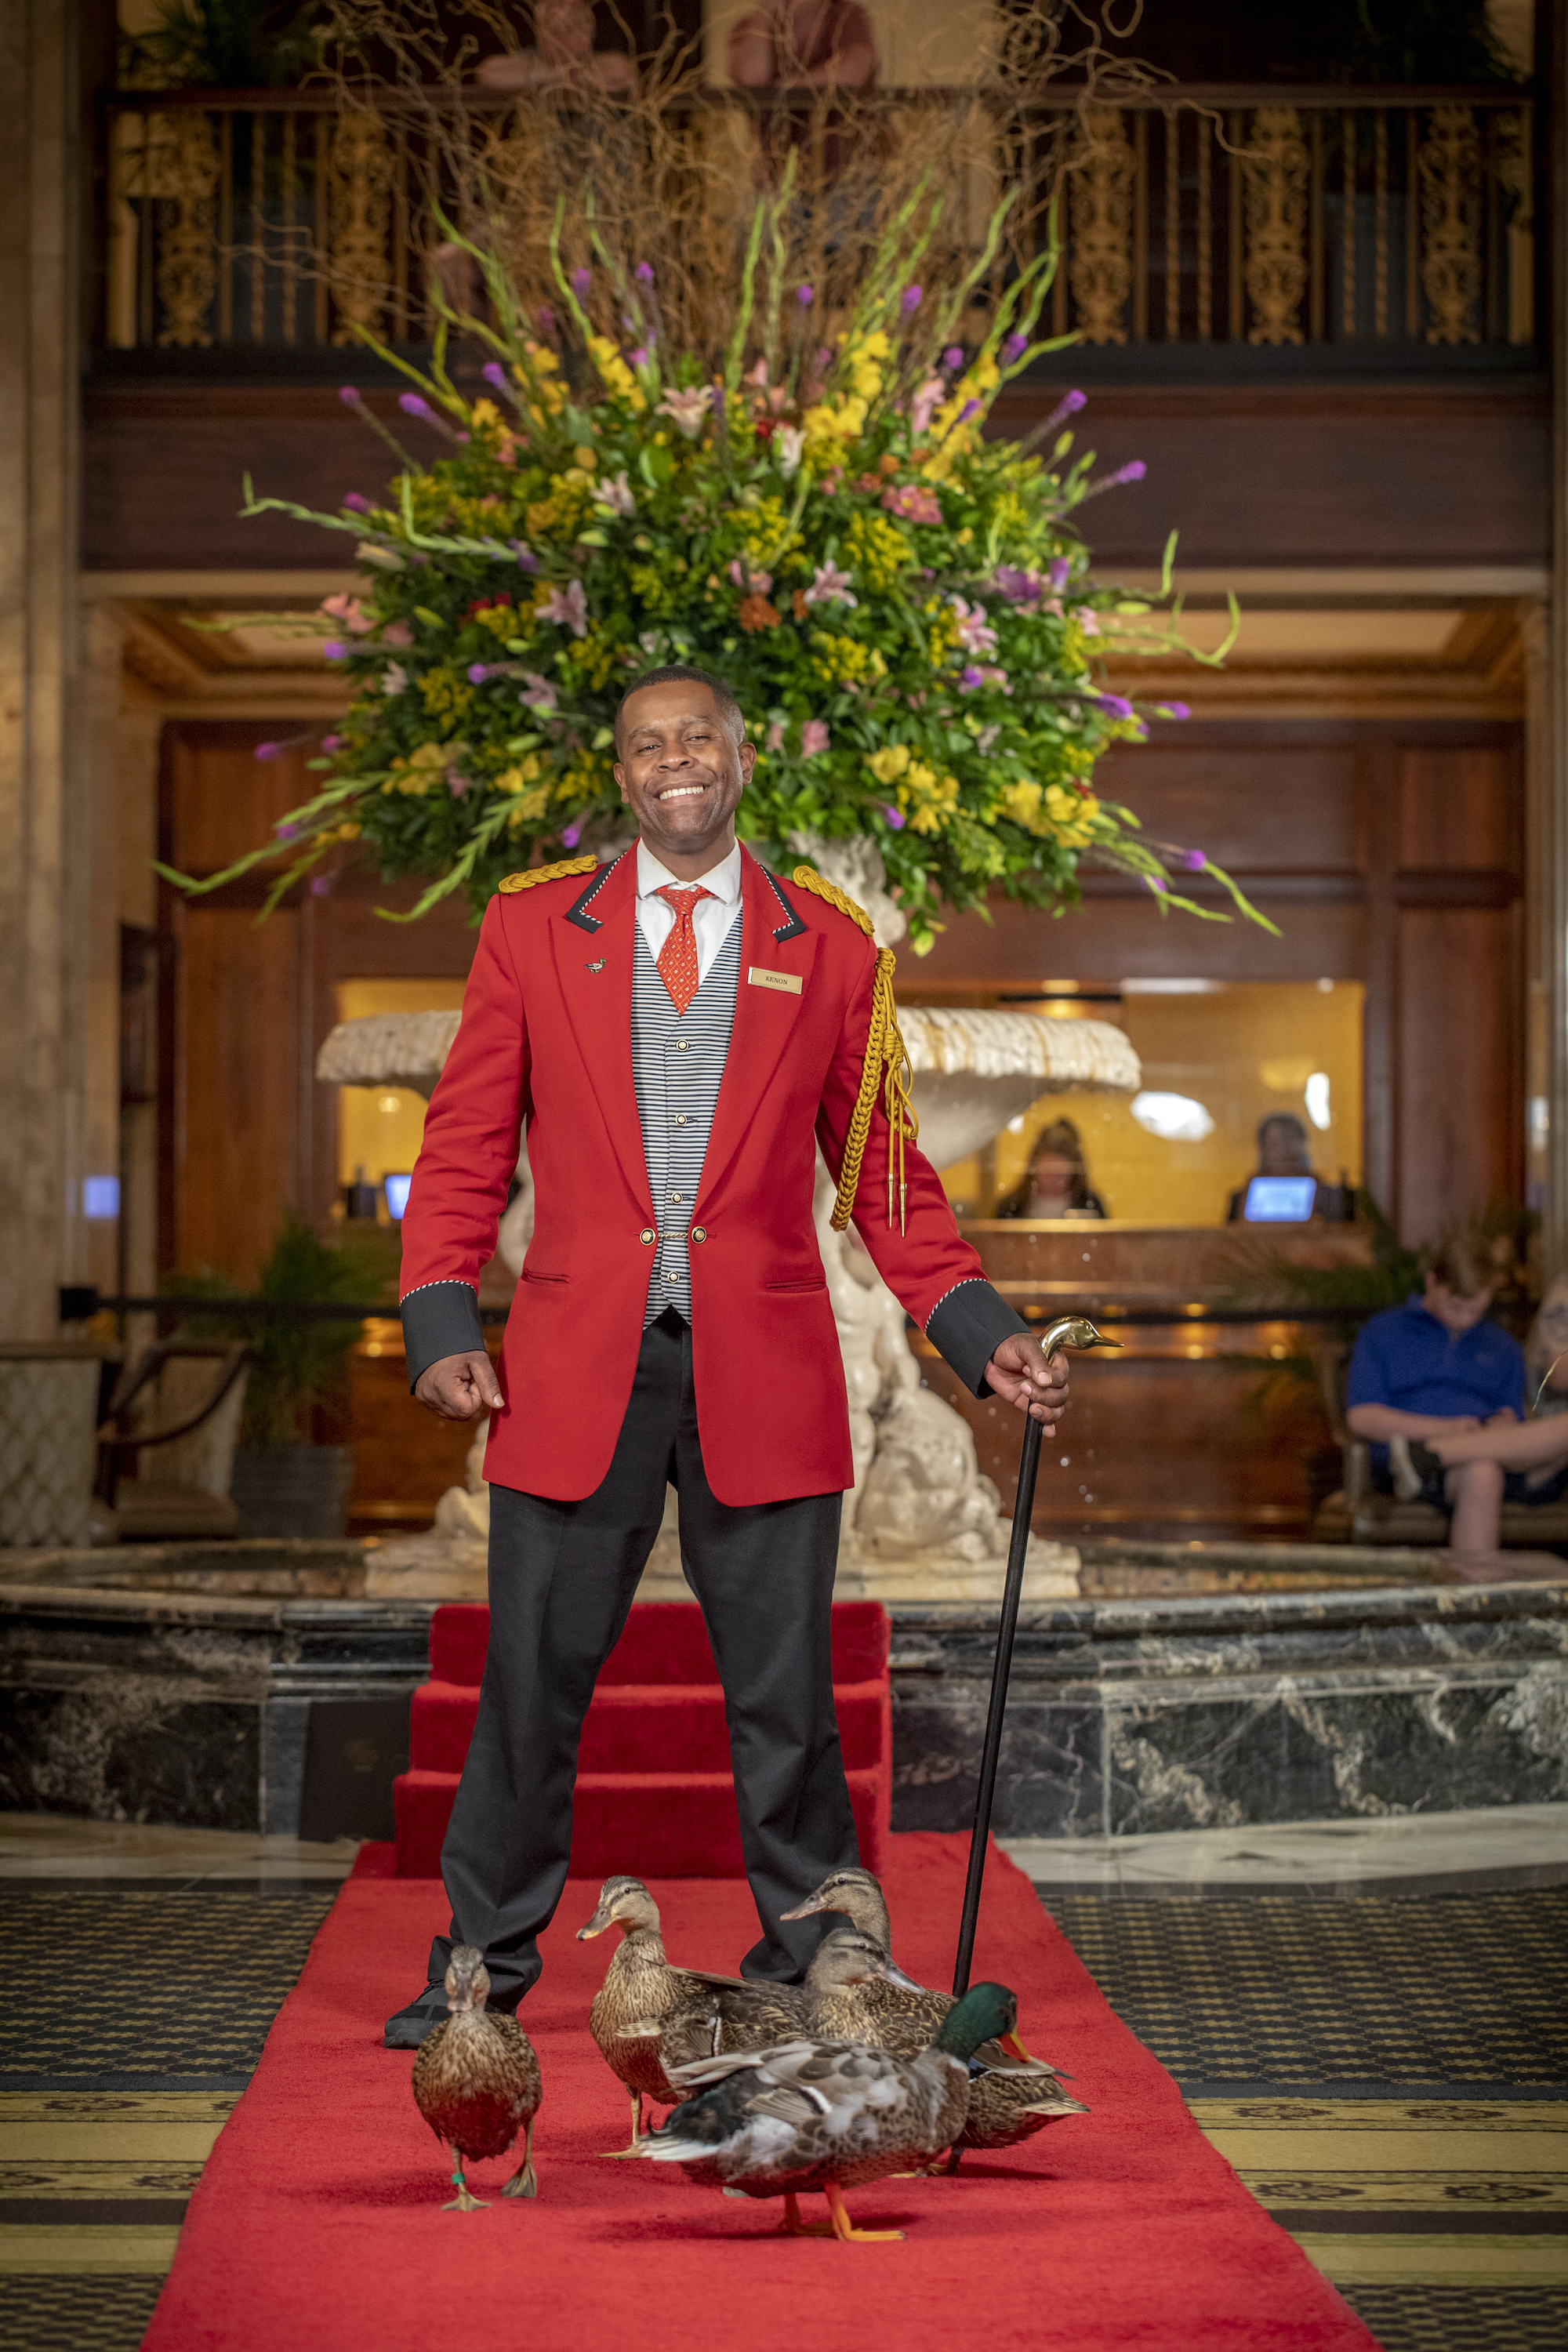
(408, 2029)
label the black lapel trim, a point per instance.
(792, 926)
(577, 911)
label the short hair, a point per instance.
(1462, 1262)
(1286, 1120)
(686, 672)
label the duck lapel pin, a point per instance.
(598, 966)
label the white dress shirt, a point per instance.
(710, 918)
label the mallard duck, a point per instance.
(747, 2015)
(476, 2082)
(1009, 2103)
(643, 1998)
(815, 2114)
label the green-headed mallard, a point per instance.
(1009, 2101)
(826, 2115)
(476, 2080)
(644, 1998)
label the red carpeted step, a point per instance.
(654, 1791)
(665, 1642)
(655, 1824)
(638, 1726)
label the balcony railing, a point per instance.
(1383, 230)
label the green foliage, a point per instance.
(296, 1365)
(903, 606)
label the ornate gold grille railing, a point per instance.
(1397, 222)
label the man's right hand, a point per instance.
(460, 1388)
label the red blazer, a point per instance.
(546, 1040)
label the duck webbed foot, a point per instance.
(525, 2181)
(792, 2225)
(462, 2202)
(636, 2148)
(845, 2229)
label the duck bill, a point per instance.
(1012, 2042)
(595, 1926)
(894, 1975)
(804, 1910)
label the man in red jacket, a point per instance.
(679, 1031)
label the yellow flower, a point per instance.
(615, 376)
(445, 694)
(928, 804)
(878, 549)
(889, 761)
(1071, 815)
(414, 775)
(1021, 802)
(519, 778)
(840, 660)
(528, 807)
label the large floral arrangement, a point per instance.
(903, 605)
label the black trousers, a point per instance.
(562, 1577)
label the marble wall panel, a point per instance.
(1048, 1780)
(133, 1750)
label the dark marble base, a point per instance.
(1213, 1710)
(1127, 1718)
(284, 1716)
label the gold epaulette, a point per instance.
(556, 873)
(887, 1060)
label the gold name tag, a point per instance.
(760, 977)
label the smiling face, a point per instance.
(681, 773)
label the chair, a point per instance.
(1357, 1514)
(196, 1389)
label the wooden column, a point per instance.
(44, 818)
(1551, 812)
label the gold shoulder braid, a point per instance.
(887, 1063)
(557, 873)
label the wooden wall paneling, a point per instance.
(1278, 799)
(1376, 771)
(1459, 992)
(239, 1120)
(223, 799)
(1461, 809)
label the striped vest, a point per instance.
(677, 1060)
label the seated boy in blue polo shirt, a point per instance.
(1440, 1392)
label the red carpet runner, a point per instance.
(653, 1775)
(317, 2223)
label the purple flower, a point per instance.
(414, 404)
(335, 650)
(1116, 705)
(571, 834)
(349, 395)
(910, 302)
(1133, 471)
(638, 357)
(971, 408)
(546, 318)
(952, 359)
(477, 673)
(1157, 882)
(1173, 710)
(895, 817)
(972, 677)
(1013, 348)
(582, 279)
(267, 750)
(1061, 567)
(525, 555)
(320, 885)
(1024, 589)
(642, 273)
(494, 375)
(1195, 861)
(805, 296)
(287, 832)
(1068, 405)
(332, 742)
(357, 503)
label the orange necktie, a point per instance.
(676, 964)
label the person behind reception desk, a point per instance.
(1441, 1394)
(1055, 1183)
(1284, 1191)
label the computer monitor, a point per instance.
(1279, 1199)
(397, 1190)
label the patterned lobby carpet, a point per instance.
(133, 2019)
(1389, 2076)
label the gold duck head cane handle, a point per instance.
(1073, 1331)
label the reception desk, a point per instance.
(1193, 1429)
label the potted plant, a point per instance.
(285, 1484)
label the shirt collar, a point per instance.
(723, 879)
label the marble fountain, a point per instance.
(922, 1523)
(1156, 1686)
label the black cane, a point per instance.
(1073, 1331)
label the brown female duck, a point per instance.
(476, 2082)
(1009, 2101)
